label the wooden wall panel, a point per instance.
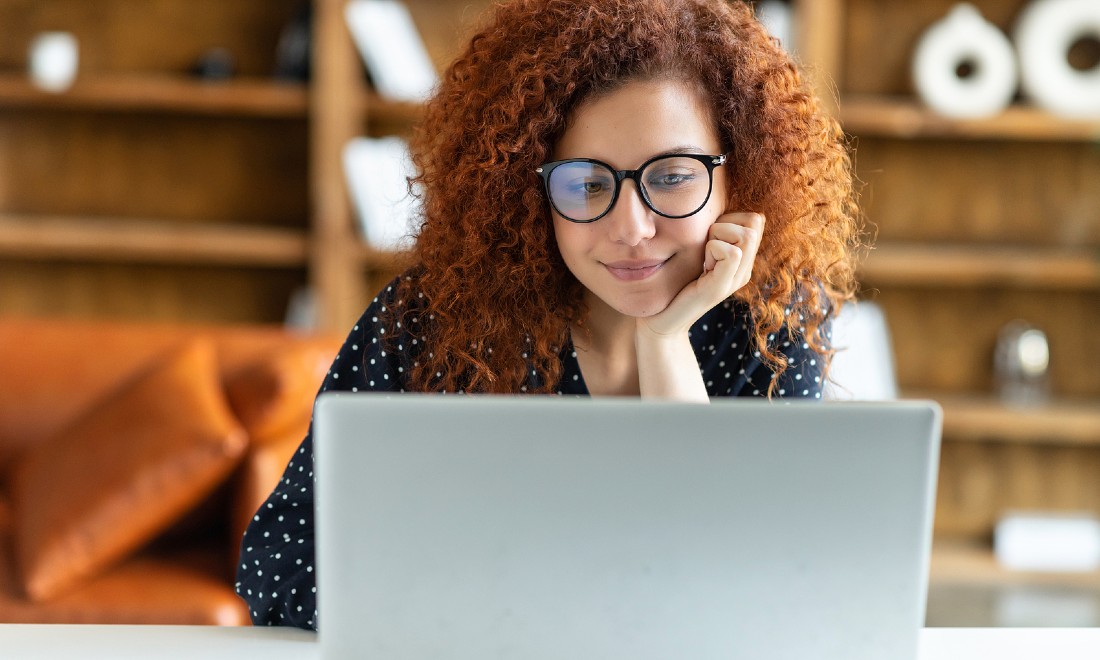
(159, 166)
(146, 292)
(944, 339)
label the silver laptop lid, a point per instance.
(542, 527)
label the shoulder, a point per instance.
(727, 321)
(381, 345)
(731, 360)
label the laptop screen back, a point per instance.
(541, 527)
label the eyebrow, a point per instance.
(683, 149)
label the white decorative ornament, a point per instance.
(1044, 34)
(52, 61)
(963, 39)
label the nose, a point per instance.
(630, 221)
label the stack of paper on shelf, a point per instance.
(392, 49)
(377, 171)
(1048, 541)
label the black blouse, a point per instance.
(275, 574)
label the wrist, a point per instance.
(646, 332)
(667, 366)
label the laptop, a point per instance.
(477, 527)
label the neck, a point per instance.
(606, 332)
(606, 351)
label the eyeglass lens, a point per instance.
(675, 186)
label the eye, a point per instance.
(590, 186)
(671, 178)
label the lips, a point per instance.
(634, 270)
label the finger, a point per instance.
(722, 258)
(730, 233)
(743, 219)
(745, 230)
(738, 228)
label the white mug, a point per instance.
(52, 61)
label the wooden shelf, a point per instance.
(384, 110)
(982, 265)
(155, 241)
(978, 418)
(384, 260)
(257, 97)
(973, 564)
(902, 117)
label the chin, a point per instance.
(643, 308)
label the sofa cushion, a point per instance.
(273, 396)
(54, 371)
(112, 480)
(182, 587)
(5, 514)
(260, 471)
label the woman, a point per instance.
(619, 198)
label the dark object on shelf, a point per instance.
(292, 59)
(215, 64)
(1021, 364)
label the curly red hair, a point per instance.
(500, 299)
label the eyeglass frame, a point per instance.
(709, 161)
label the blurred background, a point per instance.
(181, 161)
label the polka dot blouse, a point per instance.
(275, 574)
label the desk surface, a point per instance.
(95, 642)
(126, 642)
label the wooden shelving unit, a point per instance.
(976, 224)
(351, 271)
(141, 180)
(143, 191)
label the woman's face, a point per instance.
(632, 259)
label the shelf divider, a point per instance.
(906, 118)
(256, 97)
(985, 418)
(156, 241)
(386, 111)
(958, 562)
(915, 264)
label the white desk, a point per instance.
(189, 642)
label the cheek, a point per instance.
(702, 221)
(694, 232)
(570, 238)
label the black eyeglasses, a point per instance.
(672, 186)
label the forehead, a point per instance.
(637, 121)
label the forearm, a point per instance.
(668, 368)
(275, 573)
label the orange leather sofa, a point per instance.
(133, 455)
